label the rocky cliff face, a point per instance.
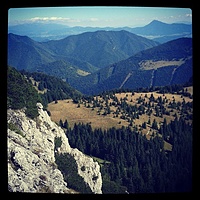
(31, 156)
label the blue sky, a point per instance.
(98, 16)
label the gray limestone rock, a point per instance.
(31, 156)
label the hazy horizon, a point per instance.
(98, 16)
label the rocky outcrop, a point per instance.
(31, 156)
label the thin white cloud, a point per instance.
(188, 15)
(94, 19)
(50, 19)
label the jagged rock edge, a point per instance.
(33, 141)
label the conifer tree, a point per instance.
(61, 123)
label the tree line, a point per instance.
(22, 94)
(136, 164)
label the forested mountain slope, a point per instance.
(64, 58)
(25, 89)
(166, 64)
(100, 48)
(143, 139)
(19, 91)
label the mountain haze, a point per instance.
(156, 30)
(42, 32)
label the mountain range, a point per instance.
(93, 62)
(156, 30)
(68, 57)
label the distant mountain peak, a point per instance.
(155, 23)
(163, 32)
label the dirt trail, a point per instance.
(152, 77)
(127, 77)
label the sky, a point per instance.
(99, 16)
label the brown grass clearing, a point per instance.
(169, 96)
(150, 64)
(66, 109)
